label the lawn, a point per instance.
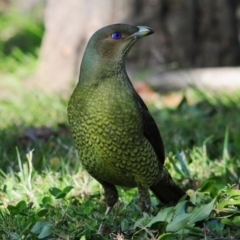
(45, 193)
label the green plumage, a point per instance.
(117, 139)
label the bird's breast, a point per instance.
(107, 128)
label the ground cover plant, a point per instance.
(45, 193)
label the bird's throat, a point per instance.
(103, 71)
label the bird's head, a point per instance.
(111, 43)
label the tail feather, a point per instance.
(166, 190)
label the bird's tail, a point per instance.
(166, 190)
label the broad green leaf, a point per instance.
(14, 235)
(178, 223)
(46, 231)
(19, 208)
(12, 209)
(46, 201)
(42, 212)
(37, 228)
(67, 189)
(236, 221)
(22, 205)
(141, 222)
(214, 225)
(202, 212)
(55, 191)
(180, 208)
(58, 193)
(61, 195)
(165, 214)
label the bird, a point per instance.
(117, 139)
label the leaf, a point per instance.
(195, 230)
(37, 228)
(43, 229)
(212, 185)
(215, 225)
(178, 223)
(46, 201)
(12, 209)
(193, 197)
(180, 207)
(233, 198)
(233, 192)
(180, 217)
(61, 195)
(164, 215)
(14, 235)
(202, 212)
(184, 167)
(228, 202)
(141, 222)
(86, 208)
(236, 221)
(160, 226)
(167, 236)
(46, 231)
(42, 212)
(19, 208)
(67, 189)
(55, 192)
(227, 222)
(22, 205)
(124, 225)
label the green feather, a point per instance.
(118, 141)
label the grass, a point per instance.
(45, 193)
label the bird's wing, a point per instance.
(166, 190)
(151, 131)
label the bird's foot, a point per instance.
(101, 229)
(102, 226)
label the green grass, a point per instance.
(20, 38)
(45, 193)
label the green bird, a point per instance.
(117, 139)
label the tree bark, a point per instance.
(69, 25)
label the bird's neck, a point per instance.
(94, 69)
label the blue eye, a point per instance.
(116, 35)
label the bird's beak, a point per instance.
(142, 32)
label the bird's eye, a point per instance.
(116, 35)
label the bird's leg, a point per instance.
(144, 198)
(111, 196)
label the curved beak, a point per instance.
(142, 32)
